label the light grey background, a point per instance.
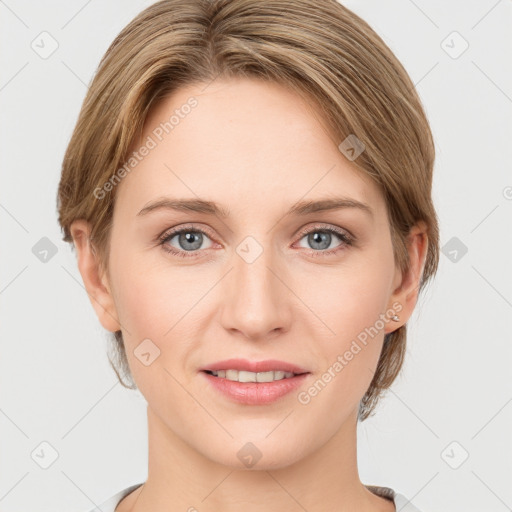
(454, 397)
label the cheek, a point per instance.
(151, 304)
(349, 298)
(348, 327)
(160, 302)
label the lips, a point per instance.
(255, 366)
(253, 393)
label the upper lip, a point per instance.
(254, 366)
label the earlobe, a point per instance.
(95, 281)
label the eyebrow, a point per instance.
(301, 208)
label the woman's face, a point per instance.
(260, 283)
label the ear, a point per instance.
(95, 281)
(406, 286)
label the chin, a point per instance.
(257, 455)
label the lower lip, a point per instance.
(255, 393)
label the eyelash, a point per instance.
(346, 240)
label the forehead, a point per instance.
(244, 141)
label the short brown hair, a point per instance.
(320, 49)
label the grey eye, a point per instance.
(320, 240)
(188, 240)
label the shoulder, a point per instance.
(403, 504)
(400, 501)
(111, 504)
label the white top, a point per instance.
(401, 502)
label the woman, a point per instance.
(248, 188)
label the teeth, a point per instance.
(244, 376)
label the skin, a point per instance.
(256, 149)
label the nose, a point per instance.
(256, 301)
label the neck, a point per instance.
(326, 479)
